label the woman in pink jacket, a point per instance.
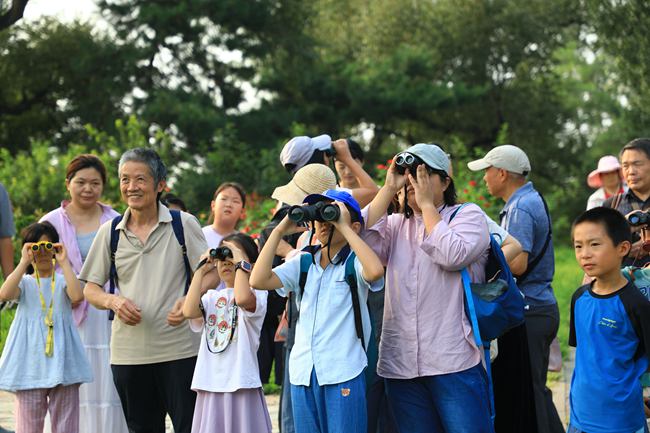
(77, 222)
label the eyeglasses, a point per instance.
(47, 246)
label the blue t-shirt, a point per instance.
(611, 334)
(525, 218)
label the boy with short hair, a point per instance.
(610, 328)
(328, 359)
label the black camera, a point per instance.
(407, 160)
(638, 218)
(320, 211)
(221, 253)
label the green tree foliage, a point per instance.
(620, 28)
(55, 78)
(193, 57)
(35, 177)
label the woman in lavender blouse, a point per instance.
(435, 381)
(77, 222)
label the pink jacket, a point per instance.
(68, 237)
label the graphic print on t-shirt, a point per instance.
(219, 324)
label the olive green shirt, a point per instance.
(152, 275)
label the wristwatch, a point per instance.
(244, 266)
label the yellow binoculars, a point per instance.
(47, 246)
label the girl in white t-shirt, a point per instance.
(226, 377)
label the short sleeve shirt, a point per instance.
(611, 334)
(525, 218)
(152, 275)
(7, 228)
(325, 332)
(236, 366)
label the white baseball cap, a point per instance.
(506, 157)
(298, 150)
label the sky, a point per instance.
(66, 10)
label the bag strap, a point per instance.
(533, 264)
(305, 263)
(112, 274)
(469, 300)
(351, 278)
(177, 225)
(617, 200)
(457, 210)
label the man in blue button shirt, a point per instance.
(525, 216)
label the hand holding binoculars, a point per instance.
(641, 219)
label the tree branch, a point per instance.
(14, 13)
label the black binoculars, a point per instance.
(638, 218)
(221, 253)
(407, 160)
(320, 211)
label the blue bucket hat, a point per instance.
(342, 196)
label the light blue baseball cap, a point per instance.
(432, 155)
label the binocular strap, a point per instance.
(49, 342)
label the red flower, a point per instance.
(246, 229)
(480, 197)
(472, 183)
(487, 205)
(389, 162)
(255, 235)
(465, 191)
(382, 167)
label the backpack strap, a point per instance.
(112, 275)
(469, 301)
(305, 263)
(177, 225)
(351, 278)
(533, 264)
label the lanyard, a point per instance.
(49, 343)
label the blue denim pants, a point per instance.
(338, 408)
(447, 403)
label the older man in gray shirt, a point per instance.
(153, 351)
